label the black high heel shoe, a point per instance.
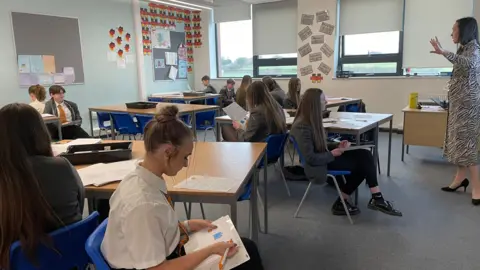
(464, 184)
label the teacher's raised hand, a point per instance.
(436, 46)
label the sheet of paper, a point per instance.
(304, 71)
(305, 49)
(49, 64)
(47, 115)
(36, 64)
(172, 74)
(324, 68)
(44, 79)
(171, 58)
(315, 57)
(159, 63)
(182, 69)
(224, 232)
(327, 28)
(24, 64)
(69, 73)
(84, 141)
(327, 50)
(104, 173)
(26, 79)
(307, 19)
(121, 63)
(351, 148)
(58, 78)
(182, 52)
(235, 112)
(112, 56)
(161, 38)
(130, 58)
(322, 16)
(210, 183)
(305, 33)
(318, 39)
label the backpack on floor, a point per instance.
(294, 173)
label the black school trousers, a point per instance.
(71, 132)
(361, 164)
(255, 262)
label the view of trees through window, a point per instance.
(235, 49)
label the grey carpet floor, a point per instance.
(438, 230)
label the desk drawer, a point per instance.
(424, 128)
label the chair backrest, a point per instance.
(212, 101)
(203, 117)
(275, 147)
(102, 117)
(69, 248)
(93, 244)
(123, 122)
(297, 149)
(143, 120)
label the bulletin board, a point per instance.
(55, 38)
(161, 74)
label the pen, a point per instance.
(223, 260)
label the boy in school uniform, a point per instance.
(209, 89)
(227, 94)
(68, 113)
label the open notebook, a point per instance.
(104, 173)
(224, 232)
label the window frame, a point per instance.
(374, 58)
(273, 62)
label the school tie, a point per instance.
(183, 230)
(61, 114)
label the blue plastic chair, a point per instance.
(142, 121)
(93, 244)
(155, 99)
(68, 253)
(124, 124)
(102, 118)
(206, 120)
(330, 174)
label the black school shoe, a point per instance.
(338, 210)
(384, 207)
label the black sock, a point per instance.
(378, 197)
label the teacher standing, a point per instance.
(463, 124)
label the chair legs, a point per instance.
(303, 199)
(283, 178)
(341, 197)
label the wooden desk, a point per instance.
(346, 123)
(54, 120)
(424, 127)
(183, 109)
(187, 100)
(208, 158)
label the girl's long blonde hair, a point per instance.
(310, 112)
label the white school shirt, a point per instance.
(68, 113)
(38, 105)
(142, 228)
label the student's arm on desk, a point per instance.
(303, 135)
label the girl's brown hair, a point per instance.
(270, 83)
(246, 81)
(258, 98)
(165, 128)
(25, 214)
(38, 91)
(310, 112)
(294, 90)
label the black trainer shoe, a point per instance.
(338, 210)
(384, 206)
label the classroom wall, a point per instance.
(104, 82)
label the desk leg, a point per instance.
(91, 122)
(389, 146)
(403, 138)
(254, 207)
(218, 131)
(112, 128)
(59, 125)
(233, 213)
(91, 205)
(375, 151)
(194, 124)
(408, 148)
(265, 195)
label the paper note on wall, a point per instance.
(121, 63)
(25, 79)
(45, 79)
(173, 73)
(130, 58)
(69, 74)
(171, 58)
(58, 78)
(36, 64)
(111, 56)
(182, 69)
(49, 64)
(24, 64)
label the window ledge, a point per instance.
(393, 77)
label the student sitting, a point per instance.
(209, 89)
(68, 113)
(227, 93)
(143, 230)
(293, 95)
(310, 136)
(266, 117)
(241, 95)
(274, 89)
(39, 193)
(37, 95)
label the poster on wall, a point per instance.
(322, 16)
(182, 69)
(305, 33)
(327, 50)
(161, 38)
(307, 19)
(327, 28)
(305, 49)
(318, 39)
(324, 68)
(315, 57)
(304, 71)
(159, 63)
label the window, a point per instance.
(275, 65)
(234, 49)
(372, 54)
(428, 71)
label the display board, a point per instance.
(47, 48)
(166, 56)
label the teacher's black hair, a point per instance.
(468, 30)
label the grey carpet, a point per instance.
(438, 230)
